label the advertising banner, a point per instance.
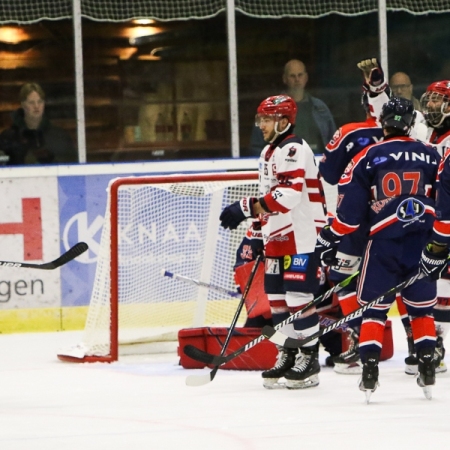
(29, 232)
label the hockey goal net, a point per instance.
(156, 223)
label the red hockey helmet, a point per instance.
(277, 106)
(435, 103)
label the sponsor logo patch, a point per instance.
(294, 276)
(296, 263)
(272, 266)
(410, 209)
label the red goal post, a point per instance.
(132, 304)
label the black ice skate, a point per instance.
(349, 362)
(305, 372)
(411, 360)
(427, 369)
(369, 379)
(439, 353)
(285, 360)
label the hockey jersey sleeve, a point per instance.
(293, 160)
(353, 204)
(347, 142)
(441, 227)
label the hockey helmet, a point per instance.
(398, 113)
(277, 106)
(434, 103)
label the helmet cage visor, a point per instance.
(433, 105)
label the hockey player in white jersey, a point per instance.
(435, 104)
(291, 209)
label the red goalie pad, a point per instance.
(256, 302)
(211, 340)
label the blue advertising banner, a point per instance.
(82, 205)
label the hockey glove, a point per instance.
(237, 212)
(434, 263)
(256, 240)
(373, 75)
(327, 246)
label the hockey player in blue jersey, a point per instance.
(347, 142)
(390, 188)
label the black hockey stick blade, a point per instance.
(218, 360)
(200, 380)
(71, 254)
(204, 357)
(279, 338)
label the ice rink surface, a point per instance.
(143, 403)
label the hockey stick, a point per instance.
(208, 358)
(72, 253)
(175, 276)
(281, 339)
(194, 380)
(324, 319)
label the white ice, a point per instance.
(143, 403)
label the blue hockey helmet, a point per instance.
(398, 113)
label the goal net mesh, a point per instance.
(171, 226)
(28, 11)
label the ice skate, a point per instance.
(439, 353)
(349, 362)
(426, 376)
(305, 373)
(411, 363)
(369, 379)
(285, 361)
(411, 360)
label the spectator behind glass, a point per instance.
(401, 86)
(314, 121)
(32, 139)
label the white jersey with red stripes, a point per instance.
(291, 190)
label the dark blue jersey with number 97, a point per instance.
(390, 186)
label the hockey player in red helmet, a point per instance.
(276, 108)
(291, 210)
(435, 104)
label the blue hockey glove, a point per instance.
(237, 212)
(434, 263)
(327, 246)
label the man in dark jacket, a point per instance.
(314, 121)
(32, 139)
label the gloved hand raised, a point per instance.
(237, 212)
(327, 246)
(373, 75)
(434, 260)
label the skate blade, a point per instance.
(273, 383)
(368, 392)
(411, 370)
(311, 381)
(348, 369)
(428, 392)
(441, 368)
